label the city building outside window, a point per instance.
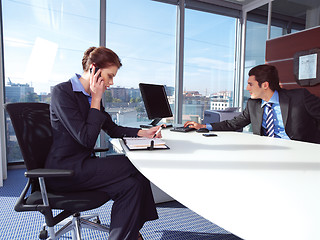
(44, 43)
(208, 63)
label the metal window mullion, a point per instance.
(269, 20)
(103, 23)
(103, 42)
(3, 154)
(179, 62)
(242, 59)
(237, 60)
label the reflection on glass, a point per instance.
(144, 39)
(43, 45)
(208, 63)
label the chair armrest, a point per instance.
(101, 149)
(44, 172)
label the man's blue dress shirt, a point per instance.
(279, 130)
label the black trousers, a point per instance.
(128, 188)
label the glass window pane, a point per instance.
(43, 45)
(144, 38)
(209, 63)
(295, 15)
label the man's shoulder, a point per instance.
(297, 93)
(293, 91)
(254, 101)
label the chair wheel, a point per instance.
(43, 234)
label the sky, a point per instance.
(44, 41)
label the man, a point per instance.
(293, 114)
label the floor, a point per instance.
(175, 220)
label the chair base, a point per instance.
(73, 224)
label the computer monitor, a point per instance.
(156, 103)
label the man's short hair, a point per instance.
(266, 73)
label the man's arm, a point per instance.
(312, 104)
(238, 122)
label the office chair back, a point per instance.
(31, 122)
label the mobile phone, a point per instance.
(96, 70)
(209, 135)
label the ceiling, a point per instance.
(307, 3)
(295, 14)
(291, 8)
(242, 2)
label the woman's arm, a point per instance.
(72, 110)
(116, 131)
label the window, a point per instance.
(209, 60)
(145, 42)
(282, 23)
(43, 45)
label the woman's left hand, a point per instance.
(149, 133)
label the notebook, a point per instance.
(141, 143)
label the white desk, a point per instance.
(257, 188)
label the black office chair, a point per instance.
(31, 122)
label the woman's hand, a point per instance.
(97, 88)
(149, 133)
(194, 125)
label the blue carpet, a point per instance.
(175, 221)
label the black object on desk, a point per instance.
(182, 129)
(209, 135)
(203, 130)
(151, 145)
(156, 103)
(164, 125)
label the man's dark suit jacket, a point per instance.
(76, 127)
(300, 112)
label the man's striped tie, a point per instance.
(269, 121)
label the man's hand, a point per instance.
(194, 125)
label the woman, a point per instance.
(77, 116)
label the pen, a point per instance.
(157, 132)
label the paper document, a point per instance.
(143, 143)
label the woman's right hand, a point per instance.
(97, 88)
